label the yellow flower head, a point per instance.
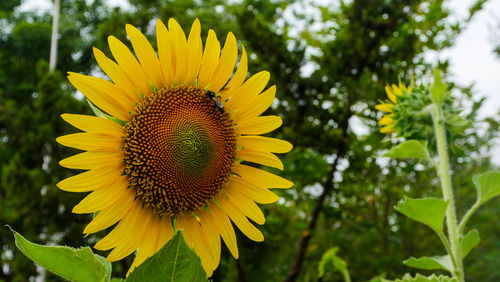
(173, 150)
(393, 92)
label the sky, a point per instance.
(471, 58)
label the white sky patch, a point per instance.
(472, 59)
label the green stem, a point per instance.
(466, 217)
(347, 276)
(444, 175)
(447, 247)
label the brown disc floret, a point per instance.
(179, 150)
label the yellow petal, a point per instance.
(260, 157)
(192, 233)
(91, 180)
(111, 214)
(396, 90)
(386, 121)
(165, 53)
(166, 232)
(104, 94)
(210, 59)
(148, 245)
(116, 74)
(212, 236)
(93, 159)
(259, 125)
(257, 106)
(384, 107)
(224, 228)
(95, 124)
(246, 206)
(240, 220)
(239, 76)
(226, 64)
(126, 226)
(146, 55)
(90, 142)
(178, 39)
(261, 178)
(390, 95)
(129, 65)
(248, 91)
(255, 193)
(102, 197)
(388, 129)
(261, 143)
(128, 244)
(194, 53)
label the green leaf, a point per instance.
(175, 261)
(378, 278)
(409, 149)
(330, 263)
(487, 185)
(430, 263)
(421, 278)
(456, 124)
(438, 89)
(469, 241)
(69, 263)
(99, 113)
(429, 211)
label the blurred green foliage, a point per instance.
(330, 63)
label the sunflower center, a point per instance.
(179, 150)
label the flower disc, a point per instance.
(179, 149)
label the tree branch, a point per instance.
(318, 208)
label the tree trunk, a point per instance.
(53, 39)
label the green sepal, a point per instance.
(409, 149)
(174, 262)
(438, 89)
(429, 211)
(69, 263)
(430, 263)
(99, 113)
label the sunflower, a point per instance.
(171, 148)
(393, 92)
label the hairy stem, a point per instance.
(466, 217)
(444, 175)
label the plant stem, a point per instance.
(444, 175)
(347, 276)
(466, 217)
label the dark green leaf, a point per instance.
(175, 261)
(69, 263)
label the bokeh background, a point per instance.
(330, 61)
